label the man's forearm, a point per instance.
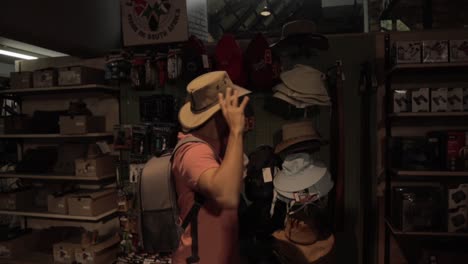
(228, 177)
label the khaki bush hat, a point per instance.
(202, 99)
(297, 132)
(304, 79)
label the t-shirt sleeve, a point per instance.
(193, 160)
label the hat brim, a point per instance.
(313, 40)
(303, 146)
(322, 187)
(290, 142)
(190, 120)
(301, 180)
(282, 88)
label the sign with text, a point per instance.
(154, 21)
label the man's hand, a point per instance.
(232, 111)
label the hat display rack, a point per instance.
(307, 88)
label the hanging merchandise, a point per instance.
(161, 62)
(174, 64)
(302, 179)
(262, 65)
(144, 72)
(303, 35)
(299, 136)
(157, 108)
(229, 59)
(117, 66)
(195, 59)
(138, 71)
(303, 86)
(257, 221)
(303, 184)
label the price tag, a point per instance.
(267, 177)
(268, 57)
(206, 63)
(104, 147)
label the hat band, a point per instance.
(205, 106)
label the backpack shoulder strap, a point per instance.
(189, 139)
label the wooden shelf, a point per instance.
(431, 173)
(41, 214)
(30, 258)
(422, 66)
(76, 88)
(90, 135)
(54, 177)
(397, 232)
(430, 114)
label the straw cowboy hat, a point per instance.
(202, 99)
(297, 132)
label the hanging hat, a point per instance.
(229, 59)
(203, 98)
(261, 64)
(297, 132)
(311, 193)
(303, 86)
(299, 172)
(193, 55)
(301, 33)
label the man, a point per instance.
(213, 170)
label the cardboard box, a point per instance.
(57, 204)
(439, 100)
(455, 143)
(401, 101)
(64, 252)
(455, 99)
(79, 75)
(21, 80)
(17, 200)
(435, 51)
(71, 125)
(96, 168)
(16, 247)
(92, 203)
(459, 50)
(420, 100)
(45, 78)
(17, 124)
(408, 52)
(457, 196)
(457, 220)
(465, 99)
(101, 253)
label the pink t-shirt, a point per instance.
(217, 227)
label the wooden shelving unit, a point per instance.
(397, 232)
(90, 135)
(426, 66)
(431, 173)
(409, 124)
(55, 89)
(55, 177)
(429, 114)
(41, 214)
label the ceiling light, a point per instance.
(17, 55)
(265, 12)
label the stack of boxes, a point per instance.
(431, 100)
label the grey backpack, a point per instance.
(159, 229)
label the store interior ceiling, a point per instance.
(89, 28)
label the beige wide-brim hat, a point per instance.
(202, 99)
(297, 132)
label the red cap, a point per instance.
(229, 59)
